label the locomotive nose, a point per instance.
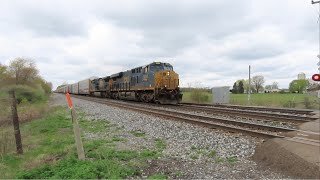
(167, 79)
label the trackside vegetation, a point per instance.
(50, 152)
(32, 94)
(32, 91)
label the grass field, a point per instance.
(291, 100)
(49, 151)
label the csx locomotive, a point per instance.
(155, 82)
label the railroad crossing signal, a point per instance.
(316, 77)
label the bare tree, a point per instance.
(275, 85)
(23, 70)
(258, 82)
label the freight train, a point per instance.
(156, 82)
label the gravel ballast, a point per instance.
(191, 151)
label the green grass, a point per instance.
(178, 174)
(160, 144)
(198, 97)
(138, 133)
(194, 156)
(44, 139)
(49, 152)
(275, 100)
(118, 139)
(212, 153)
(232, 159)
(218, 160)
(94, 126)
(193, 147)
(290, 100)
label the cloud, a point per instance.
(211, 42)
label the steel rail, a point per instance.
(257, 108)
(252, 114)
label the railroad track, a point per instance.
(257, 130)
(271, 115)
(263, 115)
(257, 108)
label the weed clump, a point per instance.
(307, 103)
(290, 104)
(199, 96)
(138, 133)
(73, 168)
(160, 143)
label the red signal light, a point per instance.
(316, 77)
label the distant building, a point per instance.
(301, 76)
(272, 90)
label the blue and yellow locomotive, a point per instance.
(155, 82)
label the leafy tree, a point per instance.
(240, 87)
(46, 86)
(23, 73)
(23, 70)
(268, 87)
(246, 85)
(258, 82)
(3, 72)
(3, 69)
(298, 85)
(235, 88)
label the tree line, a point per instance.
(257, 85)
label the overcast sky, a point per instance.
(211, 42)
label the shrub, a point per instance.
(199, 96)
(307, 103)
(26, 93)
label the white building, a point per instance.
(301, 76)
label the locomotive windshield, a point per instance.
(168, 67)
(161, 67)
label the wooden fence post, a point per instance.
(15, 120)
(76, 129)
(77, 135)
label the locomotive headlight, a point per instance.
(168, 73)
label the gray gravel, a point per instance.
(189, 147)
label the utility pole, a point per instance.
(318, 2)
(249, 87)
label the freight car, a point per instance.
(155, 82)
(83, 87)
